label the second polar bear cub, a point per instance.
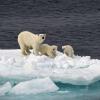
(29, 40)
(48, 50)
(68, 50)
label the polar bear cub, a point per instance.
(48, 50)
(68, 50)
(27, 40)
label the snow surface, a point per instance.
(78, 70)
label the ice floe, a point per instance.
(40, 85)
(78, 70)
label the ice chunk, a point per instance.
(35, 86)
(82, 62)
(5, 88)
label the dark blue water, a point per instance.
(75, 22)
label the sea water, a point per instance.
(66, 92)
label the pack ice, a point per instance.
(78, 70)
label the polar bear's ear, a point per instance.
(42, 35)
(56, 47)
(63, 47)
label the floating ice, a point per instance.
(5, 88)
(43, 85)
(78, 70)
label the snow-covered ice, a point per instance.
(78, 70)
(40, 85)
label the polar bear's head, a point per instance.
(41, 38)
(67, 47)
(68, 50)
(54, 50)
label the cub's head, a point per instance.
(54, 50)
(64, 47)
(67, 47)
(41, 38)
(68, 50)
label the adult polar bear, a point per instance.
(27, 40)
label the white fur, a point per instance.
(49, 50)
(29, 40)
(68, 50)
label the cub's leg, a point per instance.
(50, 54)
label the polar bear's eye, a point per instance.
(43, 37)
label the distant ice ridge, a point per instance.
(78, 70)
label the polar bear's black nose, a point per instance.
(43, 38)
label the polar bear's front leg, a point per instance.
(27, 50)
(23, 49)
